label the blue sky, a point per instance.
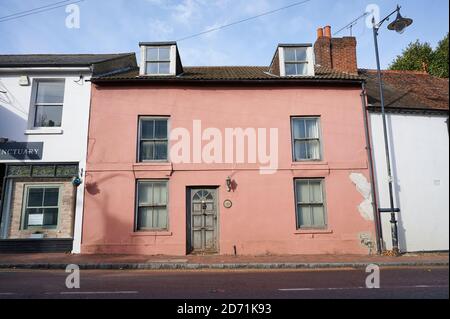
(110, 26)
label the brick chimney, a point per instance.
(335, 53)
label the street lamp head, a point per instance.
(400, 23)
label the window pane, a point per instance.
(318, 216)
(303, 191)
(164, 54)
(152, 54)
(145, 193)
(304, 216)
(164, 68)
(161, 218)
(35, 217)
(161, 129)
(145, 218)
(299, 128)
(50, 92)
(290, 69)
(313, 150)
(160, 194)
(50, 217)
(301, 150)
(35, 197)
(147, 151)
(147, 129)
(289, 54)
(312, 128)
(48, 116)
(301, 54)
(152, 68)
(316, 191)
(160, 151)
(51, 197)
(302, 68)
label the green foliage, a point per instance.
(421, 56)
(439, 63)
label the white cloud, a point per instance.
(204, 56)
(159, 30)
(187, 11)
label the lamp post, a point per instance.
(399, 25)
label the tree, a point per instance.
(414, 57)
(439, 63)
(421, 57)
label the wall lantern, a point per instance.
(77, 181)
(229, 184)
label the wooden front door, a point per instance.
(202, 220)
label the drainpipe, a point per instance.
(378, 229)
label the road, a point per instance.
(420, 283)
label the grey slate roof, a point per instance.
(56, 60)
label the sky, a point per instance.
(113, 26)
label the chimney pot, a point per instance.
(319, 33)
(327, 31)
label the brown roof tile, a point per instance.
(408, 90)
(230, 73)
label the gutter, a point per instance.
(45, 69)
(377, 217)
(178, 81)
(408, 110)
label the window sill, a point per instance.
(54, 131)
(313, 231)
(311, 162)
(155, 166)
(161, 233)
(312, 165)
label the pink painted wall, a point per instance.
(262, 219)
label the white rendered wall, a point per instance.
(419, 147)
(69, 144)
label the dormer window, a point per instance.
(296, 60)
(160, 59)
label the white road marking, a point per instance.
(358, 288)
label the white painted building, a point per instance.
(417, 122)
(44, 116)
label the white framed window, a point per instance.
(41, 206)
(158, 60)
(306, 139)
(310, 204)
(48, 102)
(153, 139)
(296, 61)
(152, 205)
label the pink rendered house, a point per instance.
(230, 160)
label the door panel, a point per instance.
(202, 213)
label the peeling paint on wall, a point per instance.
(366, 241)
(364, 188)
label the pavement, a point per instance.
(111, 262)
(395, 283)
